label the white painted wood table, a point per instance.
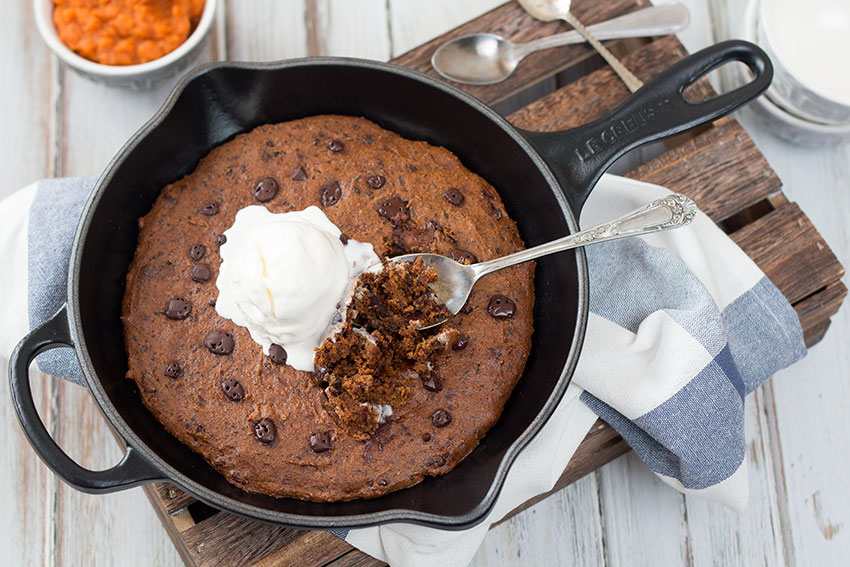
(56, 123)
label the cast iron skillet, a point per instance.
(543, 179)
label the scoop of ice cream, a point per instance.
(282, 275)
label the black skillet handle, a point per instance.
(131, 471)
(658, 110)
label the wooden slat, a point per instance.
(721, 169)
(172, 498)
(355, 559)
(814, 311)
(790, 251)
(225, 540)
(816, 333)
(169, 523)
(511, 21)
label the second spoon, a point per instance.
(486, 58)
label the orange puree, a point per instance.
(125, 32)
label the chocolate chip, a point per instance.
(299, 173)
(441, 418)
(454, 196)
(233, 390)
(433, 383)
(197, 252)
(463, 256)
(496, 212)
(336, 146)
(211, 302)
(220, 239)
(490, 196)
(466, 309)
(343, 238)
(201, 273)
(320, 441)
(393, 209)
(501, 307)
(266, 189)
(460, 342)
(210, 209)
(174, 370)
(265, 430)
(178, 308)
(376, 181)
(437, 461)
(426, 437)
(331, 193)
(219, 342)
(382, 482)
(277, 354)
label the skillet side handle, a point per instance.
(131, 471)
(658, 110)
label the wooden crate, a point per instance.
(719, 166)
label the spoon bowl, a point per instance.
(488, 58)
(547, 10)
(455, 280)
(478, 59)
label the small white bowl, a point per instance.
(136, 77)
(779, 120)
(809, 43)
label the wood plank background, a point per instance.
(57, 123)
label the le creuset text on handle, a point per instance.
(658, 110)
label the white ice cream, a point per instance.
(282, 275)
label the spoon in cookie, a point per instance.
(455, 280)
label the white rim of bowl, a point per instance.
(801, 123)
(779, 52)
(789, 119)
(44, 22)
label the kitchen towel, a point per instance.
(682, 326)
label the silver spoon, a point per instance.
(456, 280)
(487, 58)
(551, 10)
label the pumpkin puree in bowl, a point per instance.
(125, 32)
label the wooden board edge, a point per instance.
(168, 523)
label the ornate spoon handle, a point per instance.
(669, 212)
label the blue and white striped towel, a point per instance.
(682, 326)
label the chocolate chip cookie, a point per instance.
(272, 429)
